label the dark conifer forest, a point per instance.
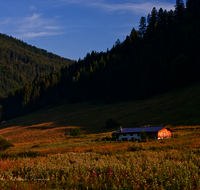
(162, 55)
(20, 62)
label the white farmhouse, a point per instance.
(153, 132)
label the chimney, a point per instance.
(121, 129)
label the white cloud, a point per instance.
(36, 22)
(31, 26)
(32, 8)
(34, 17)
(5, 21)
(52, 27)
(37, 26)
(39, 34)
(135, 7)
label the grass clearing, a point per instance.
(82, 164)
(45, 156)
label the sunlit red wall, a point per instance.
(164, 133)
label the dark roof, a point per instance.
(138, 130)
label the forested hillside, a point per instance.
(163, 54)
(20, 62)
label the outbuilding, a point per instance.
(153, 132)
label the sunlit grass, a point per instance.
(170, 169)
(78, 163)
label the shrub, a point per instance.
(24, 154)
(67, 133)
(114, 135)
(143, 135)
(154, 148)
(111, 123)
(4, 143)
(75, 132)
(31, 154)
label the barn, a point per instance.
(153, 132)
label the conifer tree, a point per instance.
(142, 27)
(179, 12)
(152, 22)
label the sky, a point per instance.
(73, 28)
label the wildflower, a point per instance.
(94, 174)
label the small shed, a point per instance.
(153, 132)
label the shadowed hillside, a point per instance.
(20, 63)
(176, 108)
(162, 55)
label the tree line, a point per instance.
(161, 55)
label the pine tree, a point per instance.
(142, 27)
(161, 20)
(179, 12)
(152, 22)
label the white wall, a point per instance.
(129, 136)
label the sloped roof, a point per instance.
(138, 130)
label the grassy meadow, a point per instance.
(45, 156)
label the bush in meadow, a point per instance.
(114, 135)
(143, 135)
(5, 143)
(75, 132)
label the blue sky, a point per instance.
(73, 28)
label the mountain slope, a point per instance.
(176, 108)
(20, 63)
(161, 56)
